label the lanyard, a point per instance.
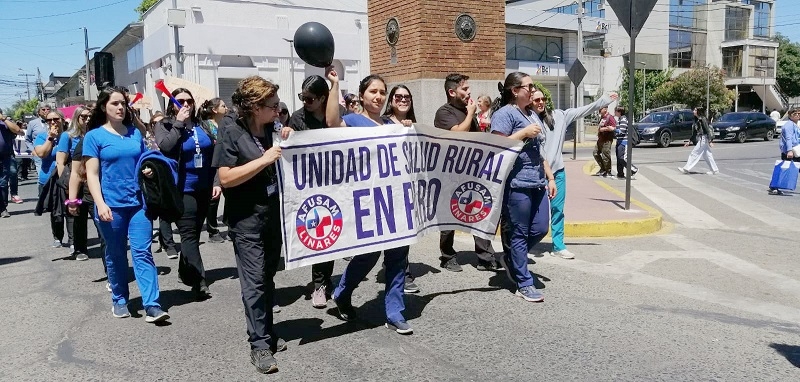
(258, 143)
(196, 140)
(533, 118)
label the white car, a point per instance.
(779, 124)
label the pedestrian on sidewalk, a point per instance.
(8, 132)
(790, 137)
(524, 217)
(459, 114)
(605, 138)
(555, 124)
(622, 144)
(111, 153)
(704, 134)
(372, 91)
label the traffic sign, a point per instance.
(576, 72)
(632, 22)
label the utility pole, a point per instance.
(631, 92)
(39, 85)
(558, 81)
(708, 91)
(27, 83)
(644, 88)
(291, 71)
(579, 129)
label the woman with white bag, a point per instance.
(790, 142)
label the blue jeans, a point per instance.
(557, 211)
(13, 180)
(5, 170)
(524, 223)
(395, 260)
(130, 222)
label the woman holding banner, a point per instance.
(524, 216)
(245, 157)
(182, 136)
(554, 126)
(372, 91)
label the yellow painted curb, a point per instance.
(568, 144)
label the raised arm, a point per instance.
(570, 115)
(332, 116)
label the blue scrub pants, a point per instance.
(557, 211)
(524, 223)
(130, 222)
(395, 261)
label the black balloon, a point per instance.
(313, 43)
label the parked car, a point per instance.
(779, 124)
(742, 126)
(664, 127)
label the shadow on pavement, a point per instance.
(790, 352)
(214, 275)
(618, 203)
(500, 280)
(11, 260)
(370, 315)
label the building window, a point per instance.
(593, 8)
(761, 17)
(682, 13)
(527, 47)
(732, 61)
(762, 61)
(736, 23)
(593, 45)
(686, 49)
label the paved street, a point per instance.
(713, 296)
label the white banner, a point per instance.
(351, 191)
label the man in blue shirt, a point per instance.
(8, 132)
(37, 126)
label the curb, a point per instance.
(568, 144)
(615, 228)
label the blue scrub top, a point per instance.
(48, 162)
(118, 157)
(64, 146)
(193, 178)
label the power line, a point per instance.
(65, 13)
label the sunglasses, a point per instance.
(53, 120)
(273, 107)
(530, 87)
(284, 112)
(306, 99)
(83, 116)
(402, 97)
(538, 100)
(187, 101)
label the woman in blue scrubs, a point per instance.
(111, 153)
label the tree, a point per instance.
(21, 108)
(689, 88)
(788, 66)
(654, 80)
(144, 6)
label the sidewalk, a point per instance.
(595, 209)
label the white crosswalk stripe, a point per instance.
(679, 209)
(760, 212)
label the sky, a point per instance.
(47, 34)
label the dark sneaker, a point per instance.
(775, 191)
(80, 256)
(120, 311)
(201, 291)
(451, 265)
(530, 293)
(401, 327)
(410, 287)
(346, 311)
(216, 238)
(278, 346)
(319, 299)
(172, 253)
(600, 173)
(491, 266)
(5, 214)
(155, 314)
(263, 360)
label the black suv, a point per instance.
(742, 126)
(663, 127)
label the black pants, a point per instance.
(23, 164)
(212, 226)
(257, 256)
(57, 228)
(483, 247)
(165, 239)
(81, 230)
(321, 274)
(195, 209)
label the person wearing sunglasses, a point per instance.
(45, 149)
(36, 127)
(182, 136)
(458, 114)
(67, 143)
(554, 127)
(353, 103)
(311, 116)
(524, 217)
(283, 114)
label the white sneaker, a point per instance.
(683, 170)
(712, 172)
(564, 254)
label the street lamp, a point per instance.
(86, 92)
(291, 70)
(558, 82)
(644, 88)
(764, 81)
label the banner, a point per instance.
(354, 190)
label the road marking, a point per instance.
(744, 205)
(682, 211)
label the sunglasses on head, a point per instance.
(306, 99)
(402, 97)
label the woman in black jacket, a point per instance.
(182, 136)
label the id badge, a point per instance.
(198, 160)
(272, 189)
